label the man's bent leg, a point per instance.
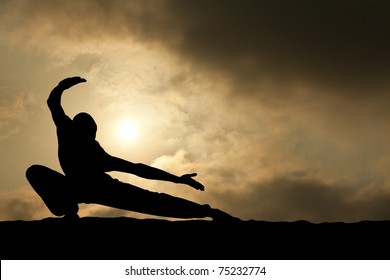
(51, 186)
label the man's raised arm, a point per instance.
(54, 100)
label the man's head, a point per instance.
(85, 126)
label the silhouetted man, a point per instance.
(85, 164)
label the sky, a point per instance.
(280, 107)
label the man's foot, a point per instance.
(220, 216)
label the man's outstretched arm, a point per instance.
(149, 172)
(54, 100)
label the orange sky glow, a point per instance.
(281, 108)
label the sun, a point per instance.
(127, 131)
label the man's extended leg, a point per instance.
(114, 193)
(51, 186)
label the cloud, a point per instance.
(22, 204)
(74, 22)
(328, 45)
(291, 199)
(14, 105)
(327, 60)
(242, 92)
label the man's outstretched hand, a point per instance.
(70, 82)
(187, 179)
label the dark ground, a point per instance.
(154, 239)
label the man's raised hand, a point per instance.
(187, 179)
(70, 82)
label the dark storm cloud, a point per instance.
(63, 24)
(326, 43)
(289, 199)
(342, 44)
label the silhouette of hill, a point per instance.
(130, 238)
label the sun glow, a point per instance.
(127, 131)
